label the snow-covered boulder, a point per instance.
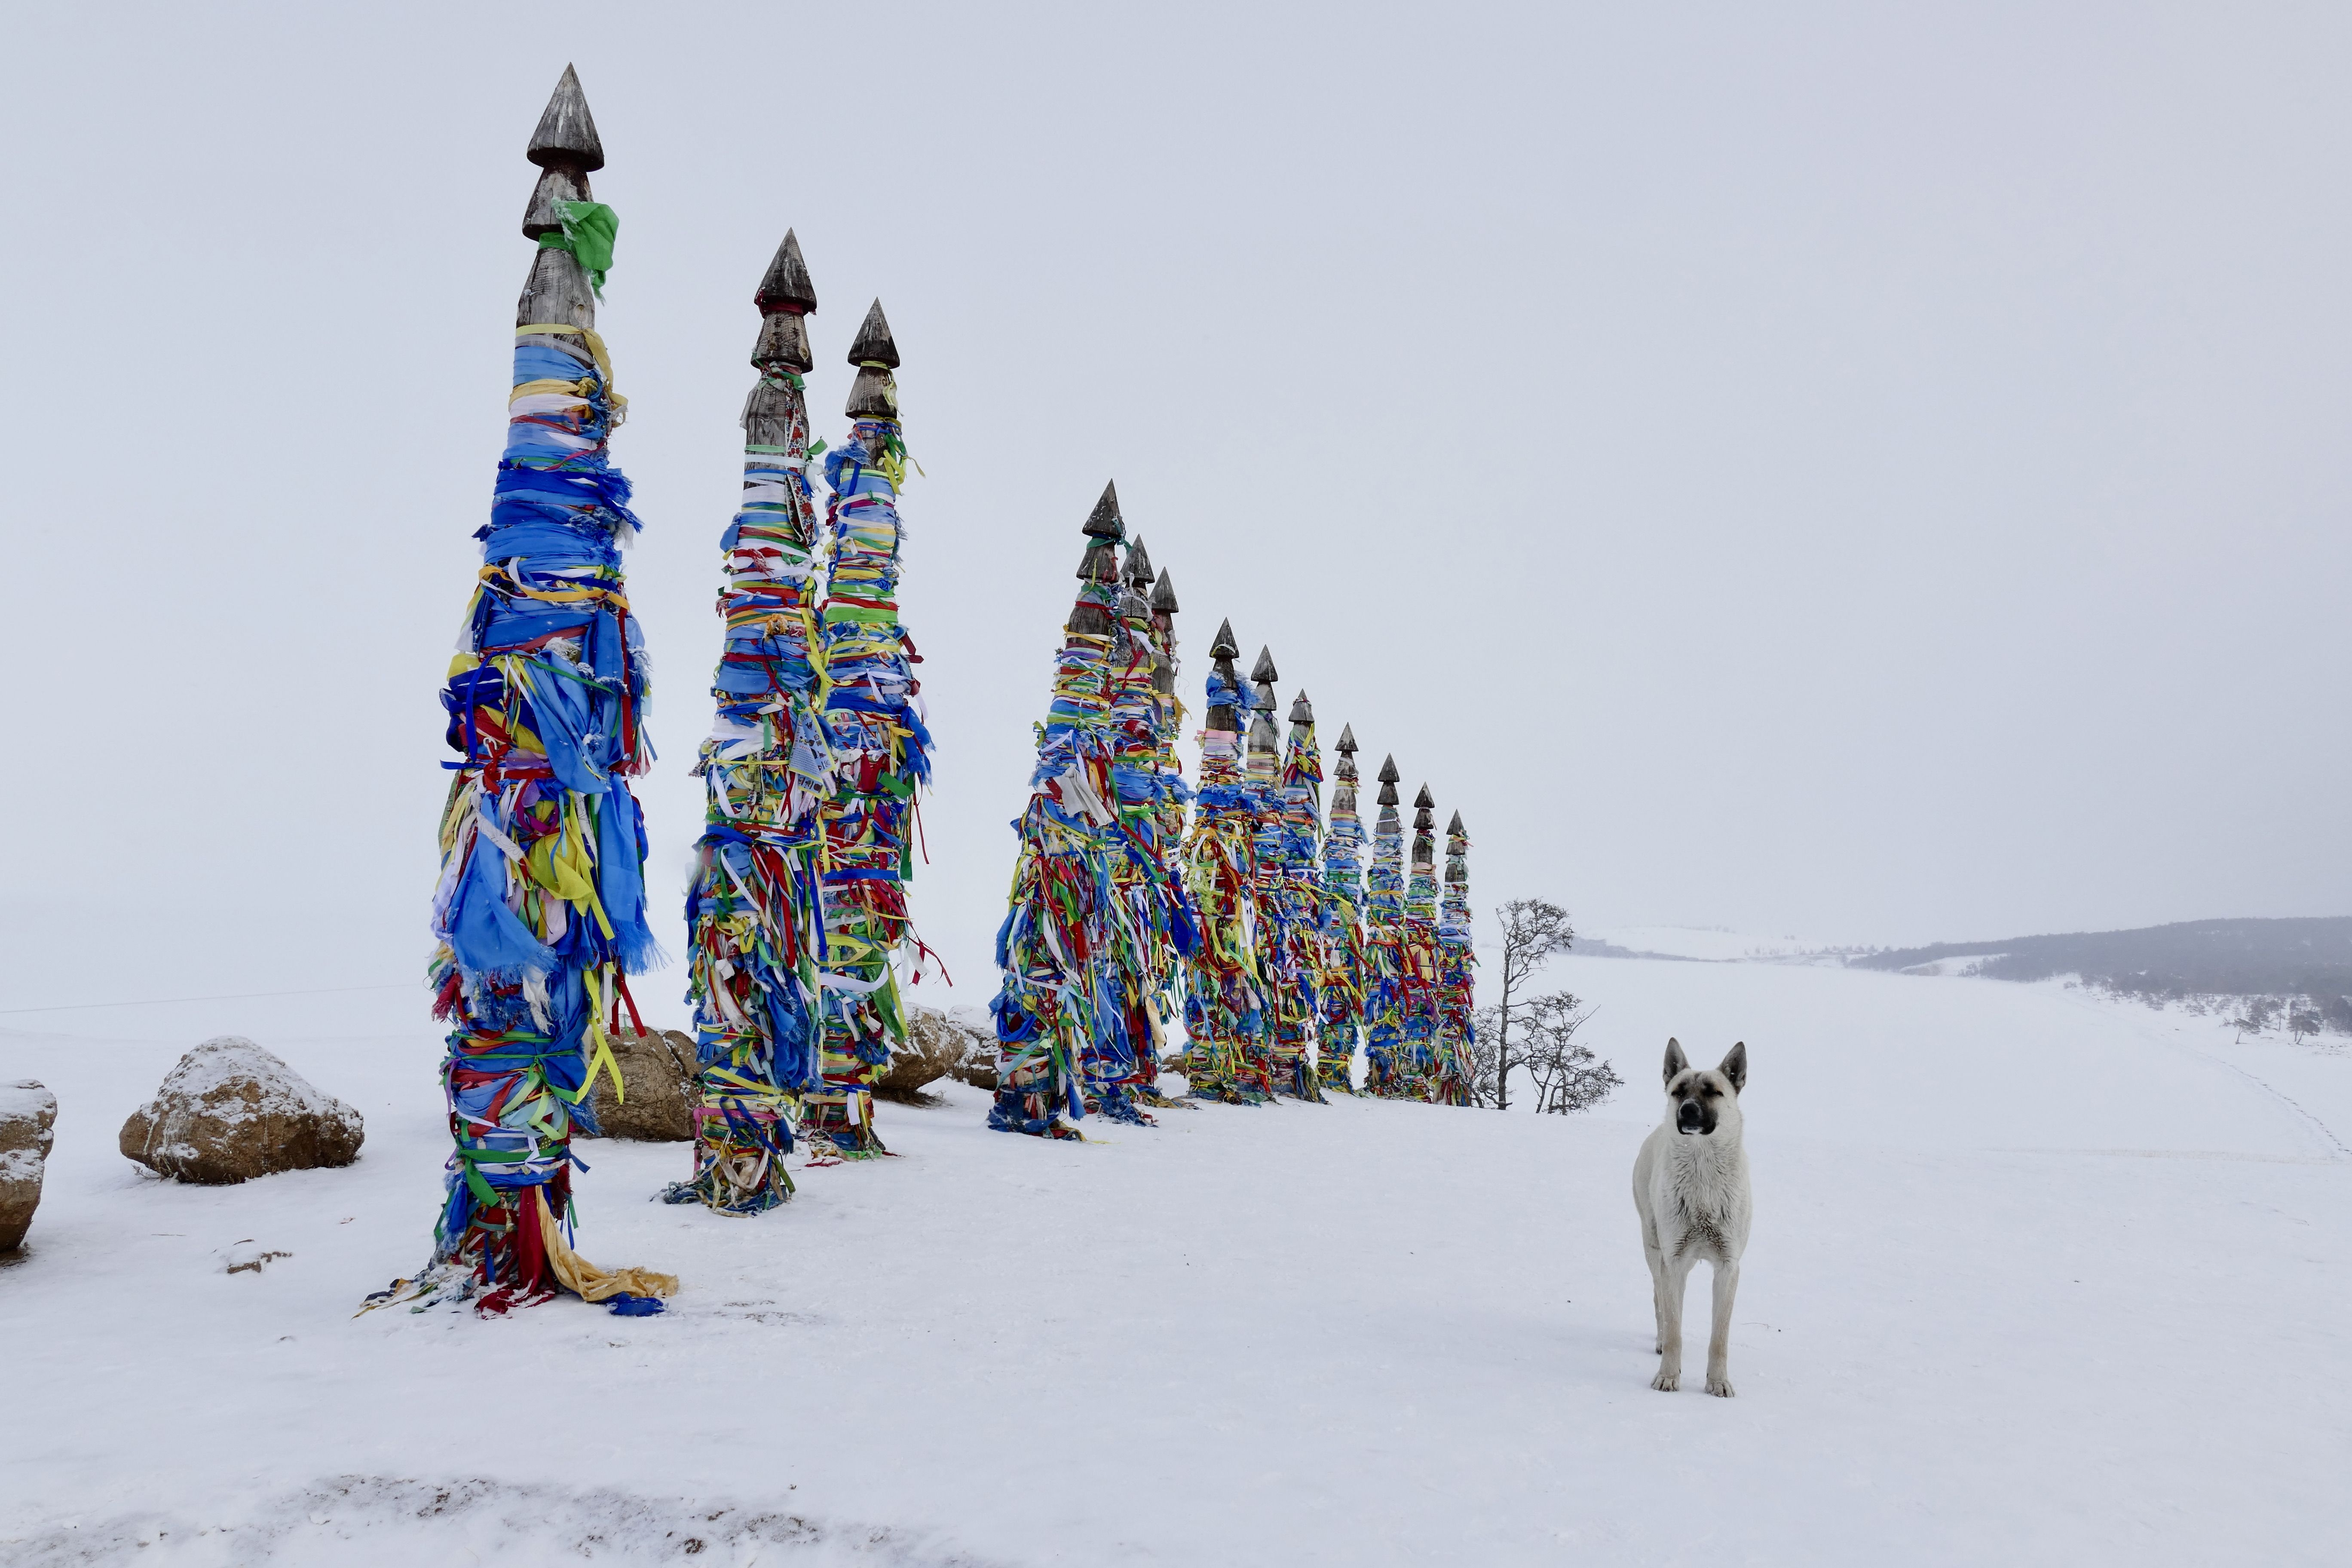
(937, 1047)
(664, 1084)
(978, 1066)
(230, 1110)
(27, 1112)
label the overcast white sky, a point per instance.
(1869, 472)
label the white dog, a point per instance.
(1690, 1188)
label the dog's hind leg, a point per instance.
(1673, 1275)
(1718, 1339)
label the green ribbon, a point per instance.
(589, 228)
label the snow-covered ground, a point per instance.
(2035, 1279)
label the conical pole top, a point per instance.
(874, 345)
(1263, 670)
(787, 287)
(1388, 792)
(567, 132)
(1103, 522)
(1163, 594)
(1347, 739)
(1453, 829)
(1139, 564)
(1423, 802)
(1389, 774)
(1224, 646)
(1301, 710)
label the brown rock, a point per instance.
(932, 1049)
(938, 1046)
(978, 1066)
(27, 1112)
(664, 1084)
(231, 1111)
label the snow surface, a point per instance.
(2035, 1278)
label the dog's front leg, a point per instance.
(1718, 1339)
(1657, 1261)
(1671, 1282)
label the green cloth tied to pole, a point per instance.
(589, 228)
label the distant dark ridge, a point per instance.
(2310, 957)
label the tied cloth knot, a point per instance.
(589, 229)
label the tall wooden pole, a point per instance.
(1173, 795)
(1420, 950)
(1223, 1011)
(880, 756)
(1339, 996)
(753, 930)
(1384, 948)
(1261, 774)
(1456, 972)
(540, 908)
(1296, 942)
(1153, 918)
(1055, 1009)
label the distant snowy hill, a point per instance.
(2215, 958)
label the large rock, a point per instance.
(937, 1047)
(978, 1068)
(231, 1111)
(929, 1052)
(664, 1084)
(27, 1112)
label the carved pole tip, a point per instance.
(1103, 522)
(1224, 646)
(1347, 739)
(1163, 594)
(874, 344)
(787, 288)
(567, 132)
(1389, 774)
(1263, 669)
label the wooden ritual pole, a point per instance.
(880, 756)
(1222, 1008)
(1165, 1001)
(1456, 974)
(753, 930)
(1339, 980)
(1298, 901)
(1152, 918)
(1384, 948)
(1056, 1009)
(540, 912)
(1420, 952)
(1261, 774)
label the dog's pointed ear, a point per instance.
(1676, 1063)
(1735, 1067)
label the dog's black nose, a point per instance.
(1688, 1116)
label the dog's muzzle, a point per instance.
(1690, 1119)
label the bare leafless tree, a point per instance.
(1483, 1057)
(1567, 1075)
(1534, 933)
